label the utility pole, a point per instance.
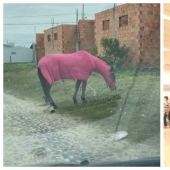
(35, 33)
(52, 35)
(83, 12)
(35, 52)
(77, 33)
(114, 21)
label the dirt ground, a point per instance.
(34, 136)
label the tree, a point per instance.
(94, 50)
(115, 55)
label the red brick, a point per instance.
(145, 16)
(40, 46)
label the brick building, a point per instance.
(63, 40)
(103, 27)
(137, 26)
(86, 34)
(40, 48)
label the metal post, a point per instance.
(10, 62)
(53, 34)
(83, 12)
(35, 33)
(77, 33)
(114, 21)
(52, 39)
(36, 54)
(34, 47)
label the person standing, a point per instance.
(166, 110)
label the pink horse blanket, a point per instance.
(78, 66)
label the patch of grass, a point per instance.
(94, 110)
(141, 112)
(9, 68)
(21, 80)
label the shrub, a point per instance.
(114, 54)
(94, 50)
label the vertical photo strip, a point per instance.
(166, 84)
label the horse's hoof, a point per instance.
(55, 107)
(52, 109)
(74, 101)
(83, 100)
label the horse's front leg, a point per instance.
(84, 84)
(76, 90)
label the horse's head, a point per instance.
(111, 81)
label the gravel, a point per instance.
(34, 136)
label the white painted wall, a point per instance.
(22, 55)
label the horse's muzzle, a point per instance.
(113, 88)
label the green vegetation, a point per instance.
(141, 115)
(94, 50)
(115, 54)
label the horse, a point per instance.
(77, 66)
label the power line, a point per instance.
(17, 40)
(40, 16)
(23, 42)
(36, 16)
(41, 23)
(30, 24)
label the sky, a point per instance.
(22, 21)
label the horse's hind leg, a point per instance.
(84, 84)
(76, 90)
(46, 89)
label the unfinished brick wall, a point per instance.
(137, 26)
(40, 46)
(149, 33)
(47, 43)
(100, 32)
(128, 33)
(64, 39)
(86, 34)
(68, 38)
(58, 46)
